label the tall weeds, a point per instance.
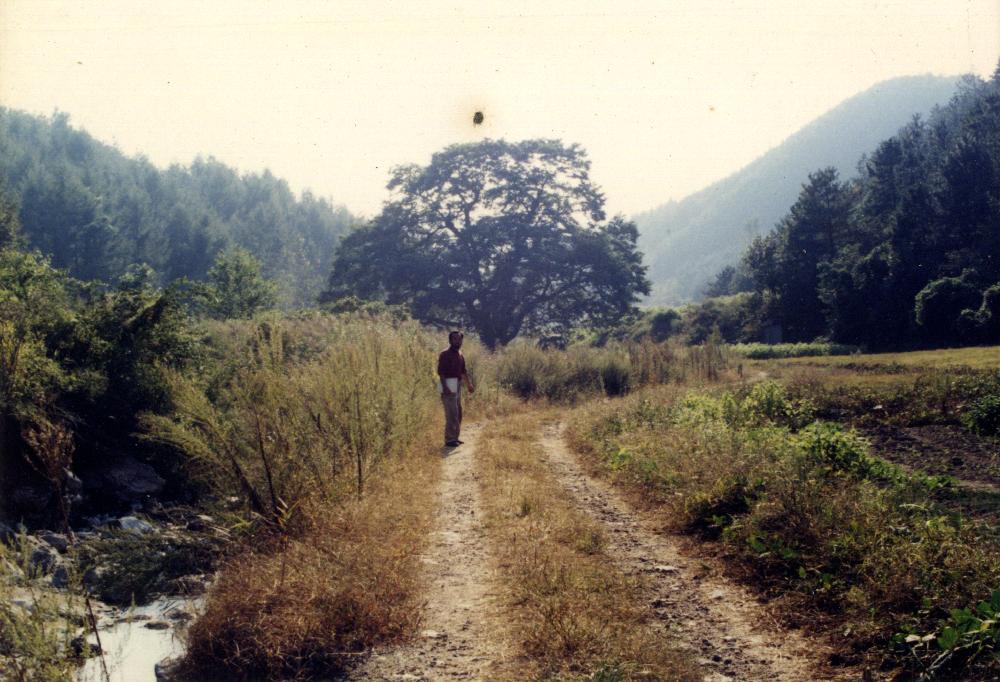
(322, 426)
(581, 372)
(287, 427)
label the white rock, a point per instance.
(134, 524)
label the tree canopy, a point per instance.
(235, 288)
(508, 238)
(96, 212)
(905, 254)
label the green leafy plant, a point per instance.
(983, 416)
(966, 634)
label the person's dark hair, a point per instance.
(454, 333)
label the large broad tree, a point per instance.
(508, 238)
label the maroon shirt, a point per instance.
(451, 364)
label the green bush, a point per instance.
(967, 634)
(836, 451)
(983, 416)
(769, 402)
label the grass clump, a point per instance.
(803, 508)
(576, 617)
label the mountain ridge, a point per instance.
(687, 241)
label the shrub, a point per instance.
(281, 430)
(967, 634)
(983, 416)
(663, 324)
(768, 401)
(939, 305)
(834, 451)
(733, 317)
(34, 638)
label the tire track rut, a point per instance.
(718, 621)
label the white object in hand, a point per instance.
(451, 382)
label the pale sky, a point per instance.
(665, 96)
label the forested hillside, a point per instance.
(686, 241)
(96, 211)
(907, 253)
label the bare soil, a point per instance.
(939, 449)
(973, 461)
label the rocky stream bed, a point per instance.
(136, 579)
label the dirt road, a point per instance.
(459, 638)
(463, 637)
(718, 621)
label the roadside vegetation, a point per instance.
(575, 616)
(615, 369)
(313, 600)
(801, 486)
(319, 426)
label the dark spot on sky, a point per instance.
(477, 118)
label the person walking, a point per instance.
(452, 374)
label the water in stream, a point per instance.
(133, 649)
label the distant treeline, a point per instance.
(97, 212)
(906, 254)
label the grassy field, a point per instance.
(978, 357)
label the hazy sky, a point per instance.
(665, 96)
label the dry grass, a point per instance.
(574, 614)
(310, 604)
(324, 426)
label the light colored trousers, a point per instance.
(452, 415)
